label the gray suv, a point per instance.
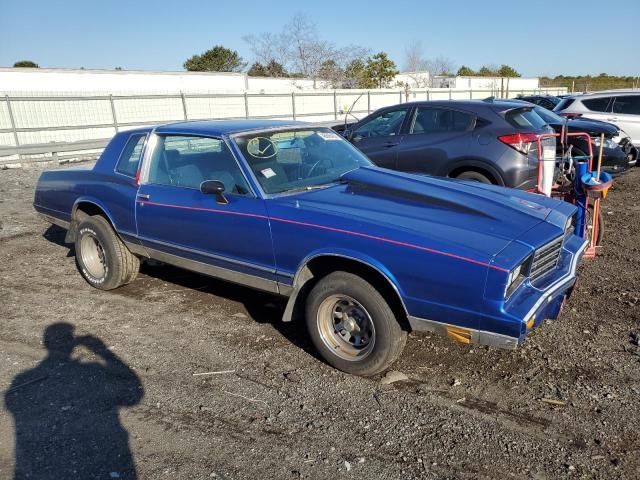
(490, 141)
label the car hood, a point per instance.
(592, 127)
(466, 218)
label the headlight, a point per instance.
(517, 276)
(608, 143)
(570, 226)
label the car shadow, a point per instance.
(260, 306)
(56, 235)
(66, 410)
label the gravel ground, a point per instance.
(120, 399)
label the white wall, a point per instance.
(18, 81)
(270, 84)
(30, 81)
(486, 83)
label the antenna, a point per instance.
(346, 115)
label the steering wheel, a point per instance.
(314, 166)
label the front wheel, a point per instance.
(352, 326)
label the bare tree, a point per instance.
(415, 64)
(308, 51)
(441, 66)
(301, 51)
(269, 47)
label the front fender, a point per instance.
(303, 274)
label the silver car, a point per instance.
(620, 107)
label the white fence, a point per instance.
(46, 121)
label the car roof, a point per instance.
(471, 104)
(218, 128)
(608, 93)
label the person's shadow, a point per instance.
(66, 412)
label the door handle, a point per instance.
(612, 119)
(144, 196)
(390, 144)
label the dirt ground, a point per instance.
(120, 398)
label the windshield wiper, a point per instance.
(308, 188)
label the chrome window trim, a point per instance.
(153, 140)
(414, 115)
(265, 195)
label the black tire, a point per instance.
(600, 234)
(101, 257)
(473, 176)
(386, 337)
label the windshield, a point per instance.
(301, 159)
(548, 116)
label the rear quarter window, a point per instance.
(564, 104)
(524, 118)
(130, 157)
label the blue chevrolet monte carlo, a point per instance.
(364, 254)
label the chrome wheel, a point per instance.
(346, 327)
(93, 256)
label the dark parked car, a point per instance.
(616, 158)
(491, 141)
(545, 101)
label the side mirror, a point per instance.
(214, 187)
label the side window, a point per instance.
(548, 104)
(597, 104)
(524, 118)
(629, 105)
(440, 120)
(130, 157)
(187, 161)
(383, 125)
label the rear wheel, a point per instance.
(352, 326)
(102, 259)
(473, 176)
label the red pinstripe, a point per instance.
(331, 229)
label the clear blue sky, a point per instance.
(161, 34)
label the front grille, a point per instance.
(545, 259)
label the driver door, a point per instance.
(180, 225)
(379, 136)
